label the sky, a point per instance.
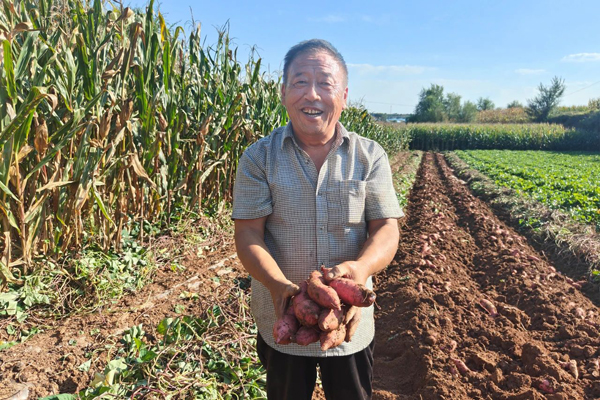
(500, 49)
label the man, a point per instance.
(313, 194)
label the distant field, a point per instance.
(567, 181)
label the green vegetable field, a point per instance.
(566, 181)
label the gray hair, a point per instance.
(313, 45)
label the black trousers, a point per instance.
(293, 377)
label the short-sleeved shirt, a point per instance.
(314, 217)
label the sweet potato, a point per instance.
(546, 387)
(333, 338)
(489, 307)
(450, 347)
(322, 294)
(307, 335)
(353, 293)
(461, 366)
(305, 309)
(571, 366)
(285, 328)
(330, 320)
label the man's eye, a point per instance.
(300, 83)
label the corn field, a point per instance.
(108, 117)
(357, 119)
(442, 137)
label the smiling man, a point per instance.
(311, 194)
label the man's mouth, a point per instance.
(313, 112)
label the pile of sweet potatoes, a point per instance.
(320, 311)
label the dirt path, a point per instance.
(453, 254)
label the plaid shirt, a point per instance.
(314, 217)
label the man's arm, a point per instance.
(256, 259)
(377, 252)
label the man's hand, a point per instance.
(281, 297)
(348, 269)
(256, 259)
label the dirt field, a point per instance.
(434, 337)
(453, 254)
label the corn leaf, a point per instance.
(11, 86)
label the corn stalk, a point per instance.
(109, 117)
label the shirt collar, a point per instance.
(288, 134)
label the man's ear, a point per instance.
(345, 98)
(282, 92)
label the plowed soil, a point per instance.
(468, 310)
(434, 339)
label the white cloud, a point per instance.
(582, 57)
(329, 19)
(526, 71)
(368, 69)
(378, 20)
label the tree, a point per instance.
(485, 104)
(431, 105)
(452, 106)
(468, 112)
(547, 99)
(514, 104)
(594, 104)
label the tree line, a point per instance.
(435, 106)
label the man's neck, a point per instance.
(308, 142)
(318, 149)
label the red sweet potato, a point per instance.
(330, 320)
(353, 293)
(322, 294)
(307, 335)
(285, 328)
(489, 307)
(305, 309)
(333, 338)
(461, 366)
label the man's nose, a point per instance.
(312, 92)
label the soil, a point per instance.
(434, 339)
(455, 253)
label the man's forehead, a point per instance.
(321, 61)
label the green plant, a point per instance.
(565, 181)
(210, 356)
(539, 107)
(514, 104)
(485, 104)
(433, 106)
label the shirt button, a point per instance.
(321, 228)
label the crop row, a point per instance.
(566, 181)
(497, 136)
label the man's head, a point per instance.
(314, 91)
(313, 45)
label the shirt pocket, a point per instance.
(353, 194)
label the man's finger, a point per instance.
(350, 314)
(352, 325)
(339, 271)
(291, 290)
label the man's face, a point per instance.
(315, 93)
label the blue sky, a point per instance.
(500, 49)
